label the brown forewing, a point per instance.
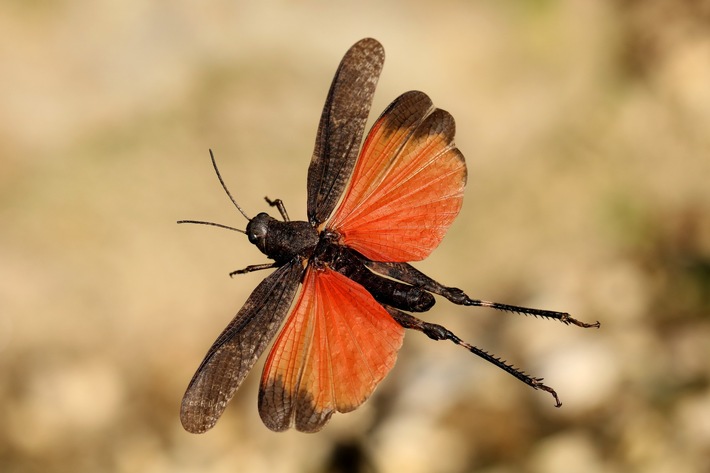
(236, 350)
(341, 127)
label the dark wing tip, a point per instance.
(194, 418)
(370, 44)
(281, 408)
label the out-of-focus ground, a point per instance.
(586, 128)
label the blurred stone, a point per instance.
(585, 373)
(64, 401)
(569, 452)
(693, 422)
(688, 353)
(427, 449)
(618, 292)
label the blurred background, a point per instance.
(586, 128)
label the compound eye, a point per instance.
(257, 229)
(258, 234)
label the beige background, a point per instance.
(586, 128)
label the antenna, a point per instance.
(201, 222)
(224, 186)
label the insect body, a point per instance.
(369, 214)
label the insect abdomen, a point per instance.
(385, 290)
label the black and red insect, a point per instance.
(369, 214)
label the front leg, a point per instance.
(279, 204)
(253, 267)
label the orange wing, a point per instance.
(407, 186)
(336, 346)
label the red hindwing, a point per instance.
(407, 186)
(336, 346)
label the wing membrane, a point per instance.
(407, 187)
(341, 126)
(236, 350)
(336, 346)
